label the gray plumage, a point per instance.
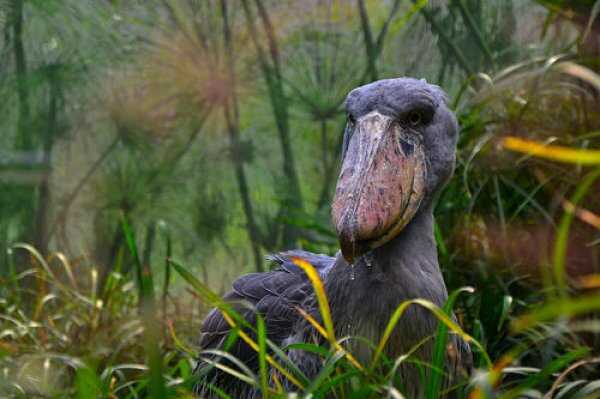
(364, 296)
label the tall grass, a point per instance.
(60, 337)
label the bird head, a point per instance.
(399, 150)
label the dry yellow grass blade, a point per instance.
(317, 284)
(582, 214)
(328, 331)
(178, 343)
(336, 345)
(493, 376)
(552, 152)
(66, 265)
(589, 281)
(312, 321)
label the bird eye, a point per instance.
(351, 120)
(414, 118)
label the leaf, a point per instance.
(312, 348)
(432, 390)
(552, 152)
(262, 356)
(327, 369)
(317, 284)
(231, 359)
(580, 72)
(169, 251)
(537, 378)
(562, 237)
(144, 274)
(557, 308)
(334, 382)
(334, 344)
(87, 383)
(328, 332)
(438, 313)
(230, 371)
(565, 389)
(147, 303)
(587, 391)
(397, 26)
(507, 301)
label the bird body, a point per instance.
(399, 151)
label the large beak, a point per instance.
(381, 184)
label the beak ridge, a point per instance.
(381, 184)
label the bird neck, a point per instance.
(412, 251)
(404, 268)
(364, 296)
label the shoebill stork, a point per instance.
(398, 153)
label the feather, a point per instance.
(274, 295)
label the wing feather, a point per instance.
(274, 295)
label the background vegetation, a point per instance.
(134, 132)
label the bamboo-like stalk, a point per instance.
(376, 47)
(370, 48)
(24, 140)
(231, 113)
(386, 26)
(470, 23)
(271, 71)
(43, 200)
(460, 58)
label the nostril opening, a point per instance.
(407, 148)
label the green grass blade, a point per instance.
(222, 394)
(438, 313)
(311, 348)
(554, 366)
(212, 298)
(589, 391)
(167, 277)
(435, 380)
(555, 309)
(562, 237)
(87, 383)
(262, 356)
(217, 355)
(156, 385)
(326, 371)
(328, 387)
(439, 240)
(143, 272)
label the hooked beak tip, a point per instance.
(351, 248)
